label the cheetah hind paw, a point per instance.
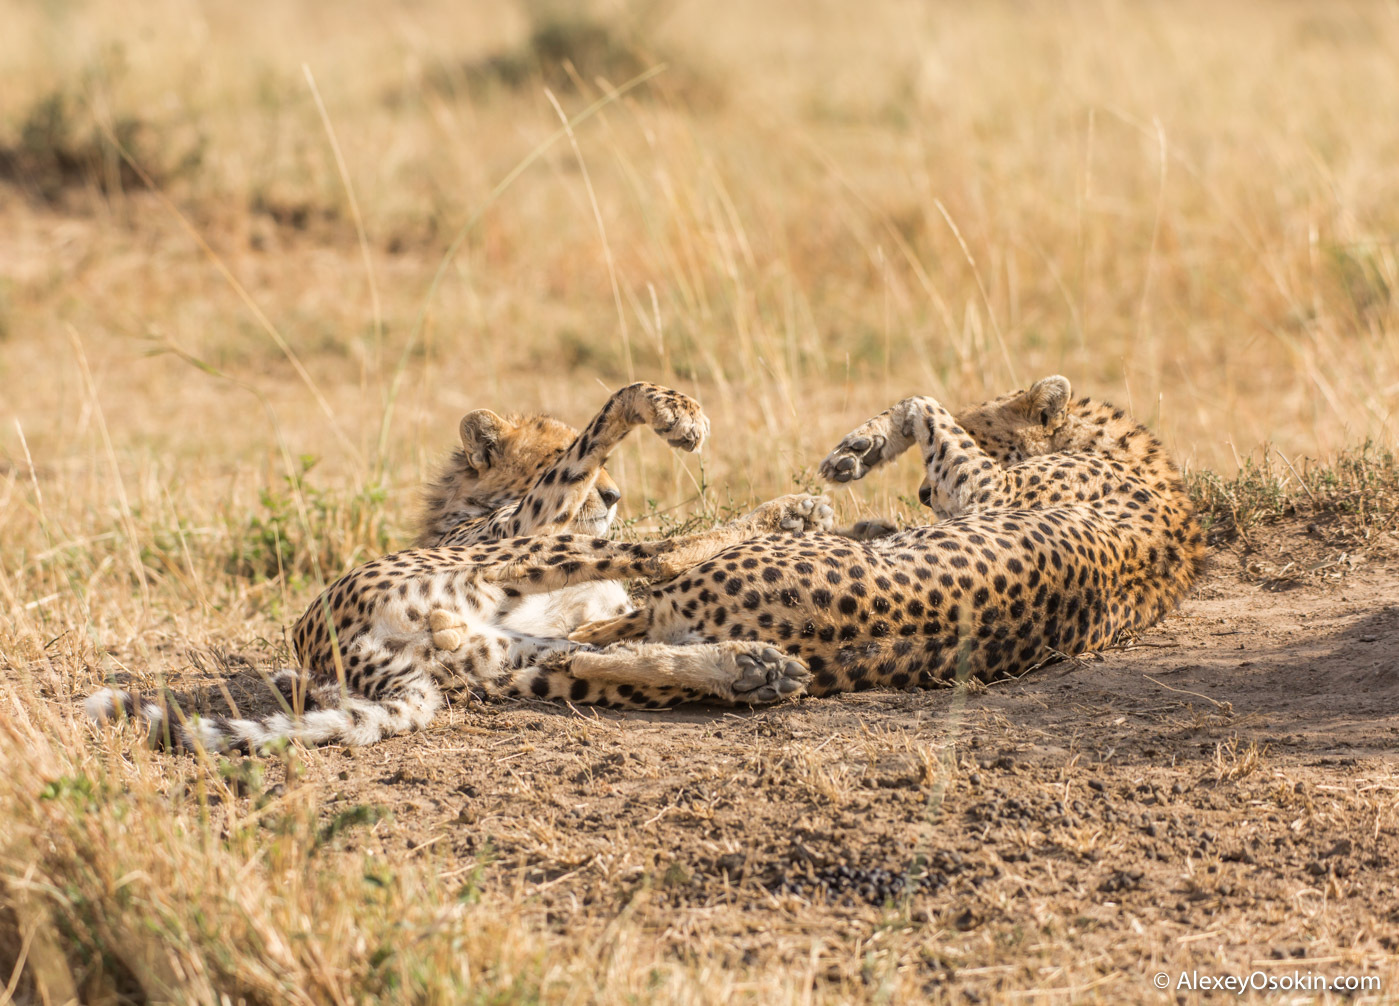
(767, 675)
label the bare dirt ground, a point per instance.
(1218, 796)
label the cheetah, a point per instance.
(380, 645)
(1064, 525)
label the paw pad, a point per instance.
(856, 455)
(768, 675)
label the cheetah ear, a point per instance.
(1047, 400)
(480, 437)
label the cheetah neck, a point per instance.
(1103, 429)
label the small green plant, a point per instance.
(305, 533)
(709, 512)
(77, 790)
(1232, 505)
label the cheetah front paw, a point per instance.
(675, 417)
(855, 455)
(796, 513)
(766, 674)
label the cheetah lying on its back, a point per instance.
(1067, 524)
(383, 642)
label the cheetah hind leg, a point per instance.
(734, 672)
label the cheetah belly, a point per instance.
(559, 612)
(918, 607)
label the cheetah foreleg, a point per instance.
(959, 476)
(873, 443)
(526, 650)
(553, 501)
(573, 560)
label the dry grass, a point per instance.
(220, 394)
(1355, 492)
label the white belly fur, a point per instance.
(561, 611)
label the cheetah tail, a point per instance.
(353, 721)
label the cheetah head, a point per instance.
(501, 458)
(1022, 424)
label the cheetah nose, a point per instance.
(609, 497)
(925, 495)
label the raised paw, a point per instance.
(854, 456)
(675, 417)
(448, 632)
(796, 513)
(766, 674)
